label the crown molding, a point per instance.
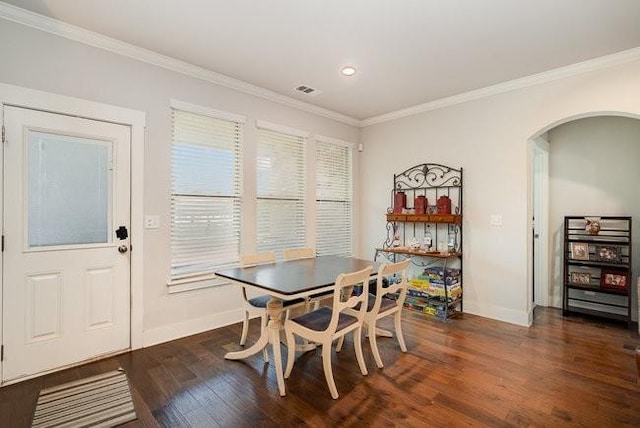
(72, 32)
(78, 34)
(511, 85)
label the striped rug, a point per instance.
(98, 401)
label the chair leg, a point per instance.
(291, 352)
(328, 373)
(357, 343)
(373, 341)
(340, 343)
(264, 320)
(245, 328)
(397, 318)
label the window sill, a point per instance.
(190, 284)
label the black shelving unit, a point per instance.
(597, 267)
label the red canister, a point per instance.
(420, 204)
(444, 205)
(399, 202)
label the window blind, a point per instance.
(334, 185)
(205, 193)
(280, 191)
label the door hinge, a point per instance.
(1, 352)
(2, 243)
(3, 133)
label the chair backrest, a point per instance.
(299, 253)
(250, 260)
(395, 286)
(343, 297)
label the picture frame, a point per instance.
(580, 278)
(608, 253)
(614, 280)
(579, 250)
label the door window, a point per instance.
(68, 190)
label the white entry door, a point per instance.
(66, 282)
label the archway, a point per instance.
(545, 266)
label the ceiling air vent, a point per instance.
(307, 90)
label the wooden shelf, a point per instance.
(426, 218)
(594, 313)
(408, 251)
(597, 263)
(598, 289)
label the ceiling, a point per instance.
(407, 52)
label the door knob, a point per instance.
(123, 249)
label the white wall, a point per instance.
(488, 138)
(593, 170)
(38, 60)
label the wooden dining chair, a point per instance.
(258, 304)
(384, 306)
(298, 253)
(326, 324)
(380, 306)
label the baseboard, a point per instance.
(189, 327)
(499, 313)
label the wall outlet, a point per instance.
(151, 222)
(496, 219)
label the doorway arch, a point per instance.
(541, 205)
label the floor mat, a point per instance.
(97, 401)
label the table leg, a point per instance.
(274, 310)
(270, 334)
(263, 341)
(306, 346)
(383, 333)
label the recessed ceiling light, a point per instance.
(348, 71)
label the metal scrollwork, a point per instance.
(389, 239)
(429, 175)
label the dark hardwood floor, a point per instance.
(469, 371)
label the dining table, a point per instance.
(288, 280)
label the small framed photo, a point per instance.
(613, 280)
(607, 253)
(580, 251)
(580, 278)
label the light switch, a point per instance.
(151, 222)
(496, 219)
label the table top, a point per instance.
(297, 278)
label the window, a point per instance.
(333, 197)
(280, 188)
(205, 191)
